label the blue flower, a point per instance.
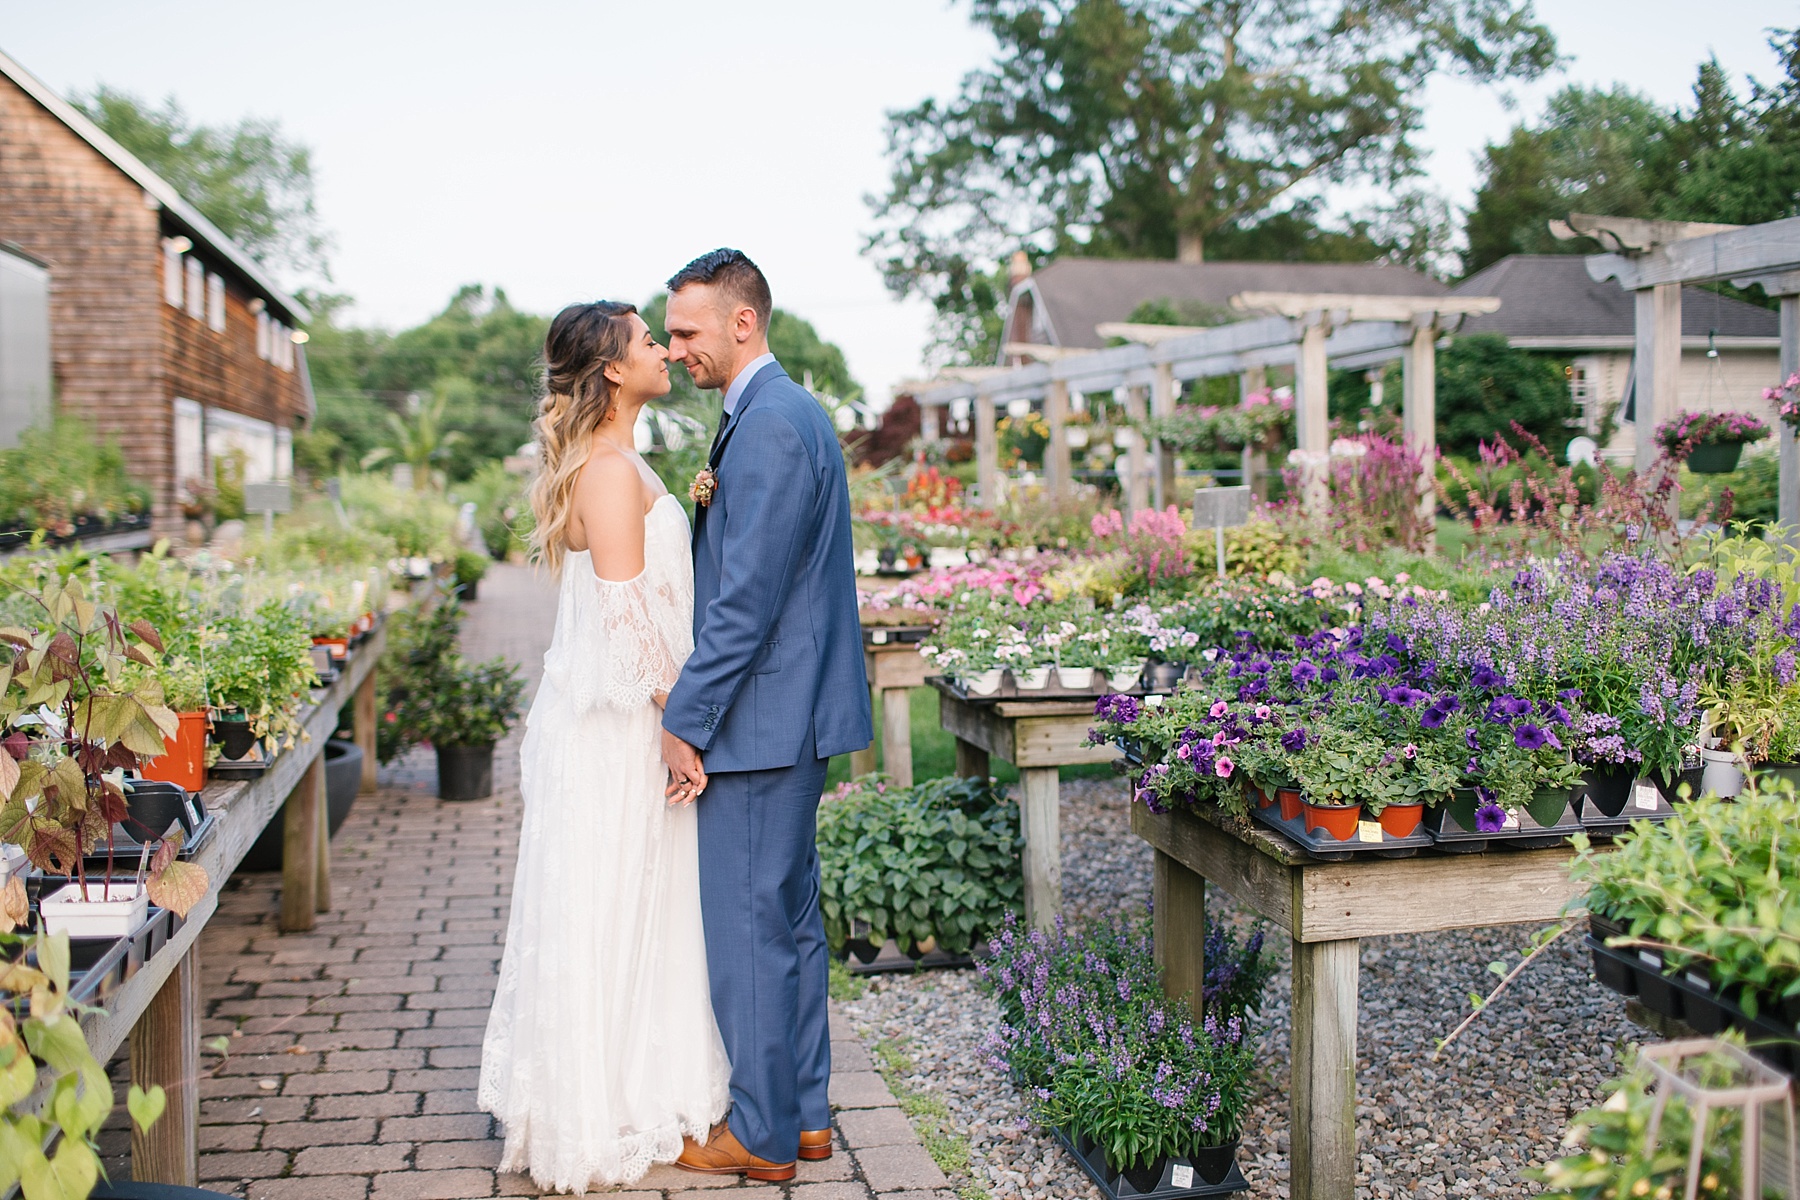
(1433, 718)
(1486, 678)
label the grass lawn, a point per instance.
(934, 751)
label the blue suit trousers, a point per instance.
(765, 949)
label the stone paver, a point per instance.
(353, 1049)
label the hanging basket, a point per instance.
(1715, 458)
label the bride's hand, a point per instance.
(661, 698)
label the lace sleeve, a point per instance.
(632, 639)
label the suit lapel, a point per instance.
(757, 382)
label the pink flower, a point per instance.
(1410, 750)
(1182, 752)
(1219, 709)
(1222, 767)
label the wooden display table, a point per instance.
(1037, 737)
(891, 658)
(160, 1006)
(1326, 908)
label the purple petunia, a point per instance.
(1433, 718)
(1303, 673)
(1490, 818)
(1294, 740)
(1486, 678)
(1529, 737)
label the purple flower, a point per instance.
(1303, 673)
(1470, 740)
(1490, 818)
(1433, 718)
(1486, 678)
(1529, 737)
(1294, 740)
(1784, 668)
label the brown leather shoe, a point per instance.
(723, 1154)
(815, 1144)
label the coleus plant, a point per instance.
(75, 719)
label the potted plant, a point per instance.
(1711, 443)
(462, 710)
(470, 567)
(258, 669)
(183, 761)
(1337, 772)
(1080, 655)
(965, 647)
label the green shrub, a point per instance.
(1484, 386)
(936, 860)
(60, 471)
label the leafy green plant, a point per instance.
(936, 860)
(470, 567)
(464, 703)
(259, 663)
(61, 471)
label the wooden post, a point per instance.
(1137, 456)
(1178, 926)
(929, 427)
(1057, 464)
(971, 761)
(1788, 502)
(1255, 461)
(1312, 421)
(322, 875)
(987, 450)
(896, 734)
(165, 1049)
(362, 720)
(300, 849)
(1162, 403)
(1323, 1135)
(1039, 816)
(862, 762)
(1418, 373)
(1656, 365)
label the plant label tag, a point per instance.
(1153, 701)
(878, 637)
(1511, 822)
(1644, 796)
(1368, 831)
(1182, 1176)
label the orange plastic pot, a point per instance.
(184, 760)
(340, 647)
(1289, 799)
(1401, 820)
(1339, 820)
(1258, 797)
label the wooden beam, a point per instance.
(1255, 462)
(987, 450)
(1056, 450)
(1362, 307)
(1631, 233)
(1162, 403)
(363, 717)
(1770, 248)
(1656, 366)
(1312, 419)
(165, 1050)
(1256, 879)
(300, 849)
(971, 761)
(1788, 491)
(1323, 1091)
(1419, 415)
(1178, 928)
(1137, 454)
(1041, 824)
(1043, 353)
(896, 734)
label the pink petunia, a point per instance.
(1222, 767)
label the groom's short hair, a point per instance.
(740, 281)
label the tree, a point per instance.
(249, 179)
(1484, 386)
(1148, 127)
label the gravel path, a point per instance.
(1465, 1125)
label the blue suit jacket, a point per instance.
(778, 657)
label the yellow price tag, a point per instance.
(1368, 831)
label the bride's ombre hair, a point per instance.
(583, 340)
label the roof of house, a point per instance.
(1076, 294)
(183, 214)
(1551, 296)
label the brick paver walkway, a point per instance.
(354, 1049)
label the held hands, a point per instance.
(687, 777)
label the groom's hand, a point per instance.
(687, 777)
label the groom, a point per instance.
(774, 688)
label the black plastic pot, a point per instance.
(233, 733)
(465, 772)
(151, 806)
(467, 592)
(1164, 676)
(343, 779)
(1214, 1163)
(130, 1189)
(1609, 787)
(1144, 1179)
(1670, 785)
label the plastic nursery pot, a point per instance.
(1164, 676)
(1609, 787)
(1076, 679)
(1715, 458)
(1338, 820)
(339, 647)
(983, 683)
(1770, 772)
(232, 731)
(1125, 678)
(1670, 784)
(1257, 796)
(465, 772)
(1722, 775)
(151, 806)
(1032, 679)
(184, 760)
(1291, 804)
(1213, 1163)
(1401, 820)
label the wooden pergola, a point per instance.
(1306, 331)
(1652, 260)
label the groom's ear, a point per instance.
(744, 324)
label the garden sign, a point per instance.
(1220, 507)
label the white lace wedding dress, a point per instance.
(601, 1050)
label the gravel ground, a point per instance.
(1462, 1126)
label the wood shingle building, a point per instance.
(121, 303)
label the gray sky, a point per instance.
(567, 151)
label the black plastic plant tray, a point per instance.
(1453, 833)
(1707, 1011)
(1646, 804)
(240, 768)
(126, 848)
(890, 635)
(1325, 848)
(889, 959)
(1114, 1186)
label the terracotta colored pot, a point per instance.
(1339, 820)
(1401, 820)
(1258, 797)
(184, 760)
(340, 647)
(1289, 799)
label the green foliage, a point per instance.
(502, 512)
(1134, 129)
(1485, 387)
(420, 640)
(61, 470)
(418, 523)
(258, 661)
(248, 178)
(936, 860)
(464, 703)
(470, 567)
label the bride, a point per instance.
(601, 1051)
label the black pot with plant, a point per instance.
(233, 732)
(462, 709)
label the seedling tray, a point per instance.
(1646, 804)
(888, 635)
(1371, 840)
(240, 768)
(889, 959)
(1010, 690)
(1452, 827)
(1114, 1186)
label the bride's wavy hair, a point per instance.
(583, 340)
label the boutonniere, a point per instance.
(704, 486)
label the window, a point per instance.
(215, 303)
(172, 270)
(262, 335)
(24, 345)
(229, 434)
(196, 289)
(190, 445)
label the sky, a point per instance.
(578, 150)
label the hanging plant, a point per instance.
(1787, 395)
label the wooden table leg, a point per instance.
(1323, 1137)
(300, 849)
(1043, 845)
(362, 721)
(896, 734)
(322, 878)
(862, 762)
(971, 761)
(1178, 924)
(165, 1049)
